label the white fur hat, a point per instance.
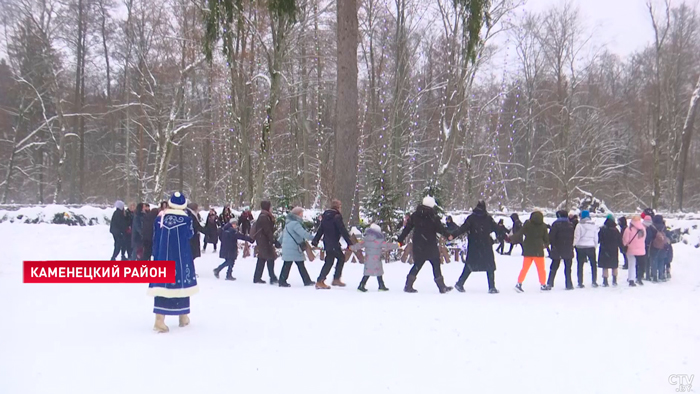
(429, 202)
(375, 227)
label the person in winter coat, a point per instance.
(451, 225)
(147, 231)
(478, 226)
(245, 220)
(264, 236)
(195, 241)
(171, 236)
(659, 249)
(536, 240)
(331, 229)
(561, 240)
(211, 230)
(622, 222)
(586, 242)
(229, 248)
(292, 238)
(127, 235)
(517, 225)
(573, 218)
(137, 231)
(633, 239)
(425, 224)
(225, 216)
(117, 227)
(501, 236)
(651, 234)
(608, 253)
(375, 245)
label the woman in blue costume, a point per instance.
(171, 242)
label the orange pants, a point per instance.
(539, 263)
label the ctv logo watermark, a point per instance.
(684, 382)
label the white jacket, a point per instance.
(586, 234)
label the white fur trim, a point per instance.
(429, 202)
(174, 212)
(172, 293)
(176, 206)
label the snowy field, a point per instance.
(246, 338)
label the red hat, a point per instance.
(643, 215)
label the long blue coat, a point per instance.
(171, 241)
(290, 238)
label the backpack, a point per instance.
(659, 241)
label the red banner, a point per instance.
(99, 272)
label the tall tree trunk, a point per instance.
(346, 130)
(686, 139)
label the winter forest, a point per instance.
(235, 101)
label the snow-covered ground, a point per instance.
(246, 338)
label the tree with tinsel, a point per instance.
(285, 192)
(381, 205)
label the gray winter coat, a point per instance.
(374, 245)
(291, 237)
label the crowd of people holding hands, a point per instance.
(171, 232)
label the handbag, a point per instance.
(301, 246)
(624, 247)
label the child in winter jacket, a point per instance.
(633, 244)
(375, 245)
(229, 248)
(586, 241)
(536, 240)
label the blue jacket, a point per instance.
(229, 242)
(171, 241)
(331, 229)
(291, 237)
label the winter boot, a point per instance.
(184, 320)
(639, 282)
(545, 288)
(337, 282)
(519, 288)
(363, 282)
(259, 281)
(216, 272)
(231, 278)
(284, 284)
(160, 324)
(460, 288)
(493, 290)
(321, 285)
(310, 283)
(605, 282)
(382, 287)
(274, 281)
(614, 281)
(594, 284)
(632, 284)
(581, 286)
(569, 287)
(440, 282)
(410, 280)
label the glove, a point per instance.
(277, 244)
(314, 244)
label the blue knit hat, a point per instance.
(177, 201)
(585, 214)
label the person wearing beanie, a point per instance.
(375, 244)
(608, 253)
(332, 228)
(425, 224)
(659, 249)
(634, 248)
(586, 242)
(293, 239)
(171, 242)
(561, 240)
(480, 258)
(229, 248)
(117, 227)
(517, 225)
(264, 236)
(535, 239)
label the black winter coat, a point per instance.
(561, 240)
(211, 230)
(478, 227)
(148, 220)
(229, 242)
(119, 223)
(331, 229)
(517, 225)
(195, 241)
(137, 229)
(244, 222)
(610, 242)
(425, 224)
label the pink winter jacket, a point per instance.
(635, 243)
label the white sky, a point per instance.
(623, 25)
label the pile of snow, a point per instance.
(58, 214)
